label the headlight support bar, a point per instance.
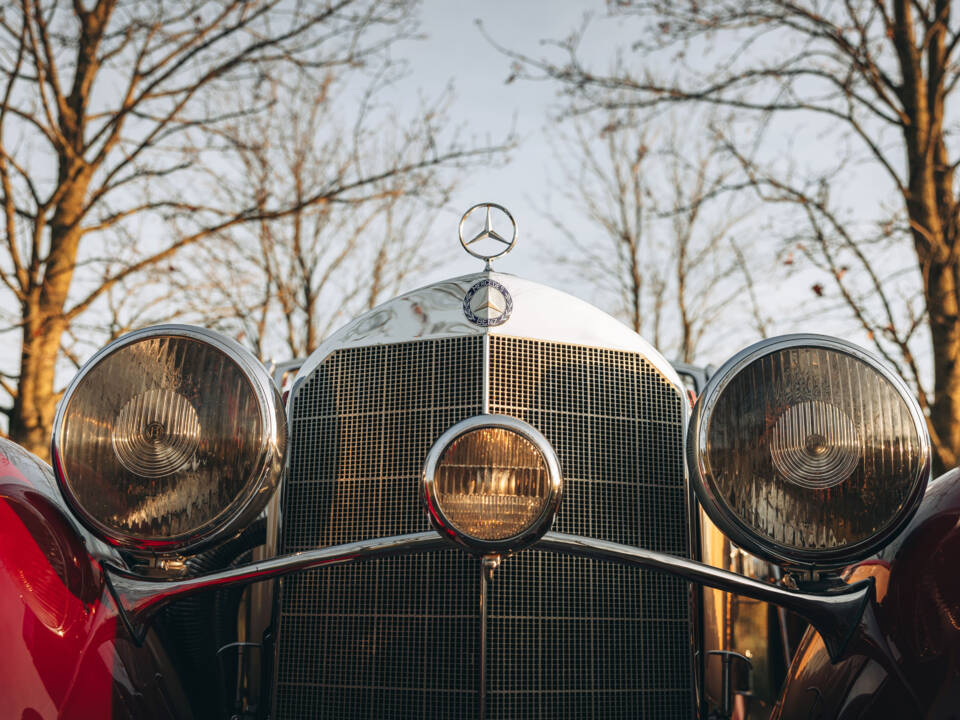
(838, 615)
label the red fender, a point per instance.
(63, 651)
(918, 610)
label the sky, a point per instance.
(485, 106)
(455, 49)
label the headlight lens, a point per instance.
(807, 451)
(492, 483)
(169, 439)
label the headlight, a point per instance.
(492, 483)
(807, 451)
(168, 439)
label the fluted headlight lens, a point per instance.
(492, 481)
(167, 438)
(808, 451)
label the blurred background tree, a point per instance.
(132, 132)
(838, 120)
(660, 256)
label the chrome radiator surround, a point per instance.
(413, 646)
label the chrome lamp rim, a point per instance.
(448, 530)
(261, 483)
(738, 531)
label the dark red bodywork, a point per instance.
(918, 610)
(63, 651)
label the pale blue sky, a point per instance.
(455, 49)
(486, 106)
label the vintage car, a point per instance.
(483, 499)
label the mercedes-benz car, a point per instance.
(483, 499)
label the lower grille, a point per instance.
(567, 637)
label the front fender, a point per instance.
(63, 652)
(918, 611)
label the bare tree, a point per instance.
(879, 73)
(113, 136)
(286, 284)
(668, 262)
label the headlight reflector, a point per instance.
(807, 451)
(169, 439)
(492, 483)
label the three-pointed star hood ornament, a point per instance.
(488, 302)
(496, 240)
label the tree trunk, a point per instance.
(945, 337)
(31, 417)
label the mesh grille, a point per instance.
(396, 638)
(567, 637)
(572, 637)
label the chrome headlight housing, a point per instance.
(492, 484)
(169, 439)
(807, 451)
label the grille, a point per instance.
(396, 638)
(572, 637)
(567, 637)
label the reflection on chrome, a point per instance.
(165, 508)
(835, 615)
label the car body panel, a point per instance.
(63, 651)
(918, 611)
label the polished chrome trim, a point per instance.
(488, 564)
(476, 545)
(140, 598)
(699, 375)
(696, 593)
(259, 487)
(489, 232)
(278, 370)
(836, 615)
(739, 532)
(539, 313)
(485, 398)
(694, 538)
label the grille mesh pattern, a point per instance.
(572, 637)
(384, 639)
(567, 637)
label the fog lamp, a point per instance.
(169, 439)
(492, 483)
(807, 451)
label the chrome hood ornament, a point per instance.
(488, 233)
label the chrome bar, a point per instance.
(140, 598)
(835, 614)
(484, 610)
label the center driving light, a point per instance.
(492, 483)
